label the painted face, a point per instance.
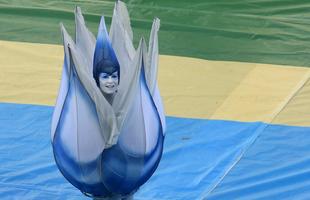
(108, 83)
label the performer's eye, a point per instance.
(104, 76)
(114, 75)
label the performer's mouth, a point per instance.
(110, 86)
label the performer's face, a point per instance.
(108, 82)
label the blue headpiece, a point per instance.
(105, 60)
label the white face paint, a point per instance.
(108, 83)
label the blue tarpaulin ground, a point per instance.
(203, 159)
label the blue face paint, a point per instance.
(108, 83)
(106, 67)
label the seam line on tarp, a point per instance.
(276, 112)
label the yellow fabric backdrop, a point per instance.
(194, 88)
